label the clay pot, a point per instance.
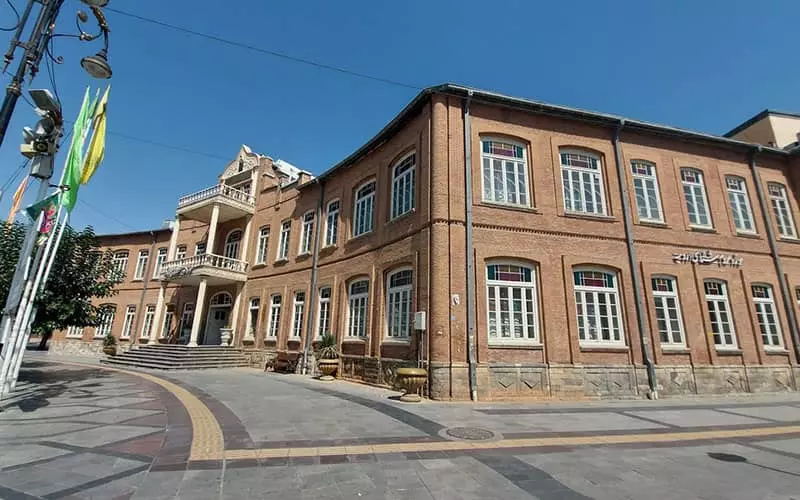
(110, 350)
(411, 380)
(328, 368)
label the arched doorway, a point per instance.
(219, 313)
(232, 244)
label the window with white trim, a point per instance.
(719, 314)
(200, 248)
(232, 243)
(324, 313)
(403, 175)
(283, 242)
(127, 325)
(512, 312)
(598, 309)
(306, 233)
(582, 177)
(398, 304)
(120, 262)
(147, 324)
(141, 264)
(357, 301)
(782, 210)
(364, 209)
(645, 187)
(187, 318)
(767, 316)
(161, 256)
(263, 244)
(75, 332)
(332, 223)
(180, 252)
(694, 192)
(297, 314)
(668, 310)
(106, 320)
(166, 325)
(740, 204)
(504, 168)
(253, 308)
(274, 316)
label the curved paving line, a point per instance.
(207, 441)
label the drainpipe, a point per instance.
(314, 264)
(470, 251)
(136, 337)
(637, 286)
(773, 247)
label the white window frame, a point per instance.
(570, 174)
(611, 296)
(147, 323)
(306, 233)
(496, 167)
(180, 252)
(253, 304)
(528, 299)
(739, 202)
(332, 222)
(771, 334)
(128, 324)
(298, 313)
(200, 248)
(263, 245)
(161, 257)
(141, 264)
(695, 195)
(233, 246)
(323, 312)
(187, 318)
(107, 321)
(357, 310)
(364, 209)
(645, 179)
(398, 325)
(664, 324)
(120, 262)
(274, 315)
(782, 210)
(716, 305)
(404, 185)
(283, 241)
(75, 332)
(166, 325)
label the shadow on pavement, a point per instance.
(46, 381)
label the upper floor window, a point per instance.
(719, 313)
(512, 311)
(332, 223)
(740, 204)
(263, 244)
(161, 256)
(403, 175)
(398, 303)
(180, 252)
(200, 248)
(694, 191)
(364, 209)
(582, 177)
(598, 310)
(120, 262)
(283, 242)
(232, 244)
(668, 310)
(782, 210)
(504, 172)
(141, 264)
(767, 316)
(357, 301)
(645, 186)
(307, 231)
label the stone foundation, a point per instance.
(78, 347)
(376, 371)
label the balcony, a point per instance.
(232, 203)
(216, 269)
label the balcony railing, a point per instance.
(180, 268)
(222, 190)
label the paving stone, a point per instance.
(17, 454)
(779, 413)
(696, 418)
(102, 436)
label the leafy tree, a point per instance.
(81, 273)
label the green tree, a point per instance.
(81, 274)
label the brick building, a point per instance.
(580, 254)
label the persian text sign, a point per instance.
(706, 258)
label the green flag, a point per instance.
(74, 164)
(49, 206)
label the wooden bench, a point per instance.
(284, 361)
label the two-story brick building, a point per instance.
(556, 253)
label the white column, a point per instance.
(173, 241)
(236, 306)
(245, 243)
(155, 333)
(199, 311)
(212, 229)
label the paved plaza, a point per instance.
(77, 430)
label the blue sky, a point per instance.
(700, 65)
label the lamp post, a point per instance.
(37, 45)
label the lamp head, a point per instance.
(97, 65)
(96, 3)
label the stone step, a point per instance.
(179, 357)
(182, 360)
(116, 361)
(183, 355)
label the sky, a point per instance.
(181, 105)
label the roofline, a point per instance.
(134, 233)
(758, 117)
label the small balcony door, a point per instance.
(232, 244)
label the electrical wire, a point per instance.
(50, 67)
(16, 13)
(260, 50)
(97, 210)
(14, 176)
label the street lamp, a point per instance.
(97, 65)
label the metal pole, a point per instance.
(470, 253)
(314, 263)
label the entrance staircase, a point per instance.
(178, 357)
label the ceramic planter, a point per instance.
(411, 380)
(328, 368)
(110, 350)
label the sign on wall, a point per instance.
(706, 258)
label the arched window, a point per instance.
(504, 169)
(768, 321)
(106, 317)
(740, 204)
(668, 310)
(582, 177)
(232, 244)
(221, 299)
(598, 309)
(782, 210)
(512, 304)
(357, 301)
(645, 187)
(398, 303)
(403, 175)
(719, 314)
(694, 192)
(364, 209)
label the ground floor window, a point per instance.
(106, 321)
(398, 304)
(169, 317)
(324, 317)
(297, 314)
(668, 310)
(252, 317)
(127, 325)
(75, 332)
(512, 304)
(719, 314)
(187, 318)
(147, 324)
(598, 310)
(767, 317)
(274, 316)
(357, 308)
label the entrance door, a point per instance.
(217, 319)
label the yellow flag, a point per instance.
(97, 147)
(17, 200)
